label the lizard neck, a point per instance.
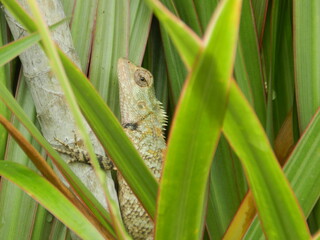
(147, 137)
(148, 124)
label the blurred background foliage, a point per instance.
(276, 67)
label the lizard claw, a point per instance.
(77, 154)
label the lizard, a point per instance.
(143, 119)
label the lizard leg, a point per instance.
(77, 154)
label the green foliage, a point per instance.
(51, 198)
(273, 65)
(202, 105)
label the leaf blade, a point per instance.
(77, 185)
(275, 171)
(302, 175)
(202, 105)
(267, 182)
(52, 199)
(178, 30)
(307, 59)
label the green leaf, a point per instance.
(12, 50)
(303, 175)
(187, 11)
(278, 67)
(82, 34)
(51, 198)
(260, 10)
(42, 224)
(227, 180)
(109, 44)
(283, 58)
(271, 184)
(18, 13)
(228, 186)
(16, 205)
(242, 219)
(205, 10)
(248, 70)
(307, 59)
(178, 30)
(154, 60)
(278, 210)
(140, 22)
(59, 231)
(77, 185)
(176, 69)
(202, 105)
(313, 219)
(317, 236)
(5, 79)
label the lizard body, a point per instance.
(143, 120)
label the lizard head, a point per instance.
(137, 96)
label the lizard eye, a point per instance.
(143, 78)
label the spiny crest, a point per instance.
(163, 118)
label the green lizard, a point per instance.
(143, 120)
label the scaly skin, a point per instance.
(143, 119)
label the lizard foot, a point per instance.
(77, 154)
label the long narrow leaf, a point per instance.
(242, 219)
(178, 30)
(303, 175)
(154, 60)
(39, 161)
(11, 196)
(205, 10)
(12, 50)
(307, 59)
(227, 187)
(248, 72)
(86, 11)
(294, 224)
(83, 34)
(187, 11)
(282, 58)
(278, 209)
(111, 41)
(5, 79)
(202, 106)
(140, 22)
(51, 198)
(76, 184)
(44, 168)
